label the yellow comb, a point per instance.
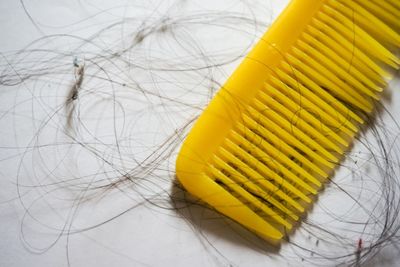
(280, 124)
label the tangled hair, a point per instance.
(93, 112)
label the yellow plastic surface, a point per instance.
(277, 128)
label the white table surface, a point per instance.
(56, 202)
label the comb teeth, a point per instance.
(295, 129)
